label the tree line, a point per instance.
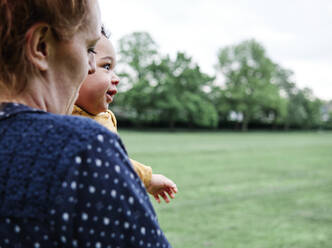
(249, 90)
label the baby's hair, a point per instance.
(105, 32)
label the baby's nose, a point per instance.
(115, 79)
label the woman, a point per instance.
(64, 181)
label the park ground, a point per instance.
(236, 190)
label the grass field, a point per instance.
(253, 190)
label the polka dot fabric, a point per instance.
(67, 182)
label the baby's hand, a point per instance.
(162, 186)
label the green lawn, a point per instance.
(252, 190)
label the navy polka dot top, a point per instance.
(66, 181)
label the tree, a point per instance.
(137, 51)
(250, 90)
(303, 109)
(159, 89)
(179, 92)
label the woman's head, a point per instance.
(58, 20)
(98, 89)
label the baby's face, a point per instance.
(98, 89)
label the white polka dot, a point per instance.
(65, 216)
(89, 147)
(92, 231)
(78, 160)
(98, 162)
(106, 221)
(128, 213)
(37, 245)
(98, 245)
(100, 137)
(117, 168)
(36, 228)
(73, 185)
(99, 149)
(103, 192)
(63, 239)
(75, 243)
(113, 193)
(92, 189)
(143, 231)
(116, 222)
(122, 197)
(131, 200)
(64, 184)
(126, 225)
(158, 232)
(85, 216)
(95, 175)
(85, 173)
(107, 176)
(107, 164)
(17, 229)
(45, 237)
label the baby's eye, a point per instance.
(107, 66)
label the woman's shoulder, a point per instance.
(74, 126)
(70, 133)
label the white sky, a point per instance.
(297, 34)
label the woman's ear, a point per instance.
(38, 43)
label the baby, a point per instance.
(96, 93)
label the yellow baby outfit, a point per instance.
(108, 120)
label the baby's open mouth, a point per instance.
(111, 93)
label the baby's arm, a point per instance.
(162, 186)
(144, 172)
(156, 184)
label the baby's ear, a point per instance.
(38, 42)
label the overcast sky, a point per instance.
(297, 34)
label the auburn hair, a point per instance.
(65, 17)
